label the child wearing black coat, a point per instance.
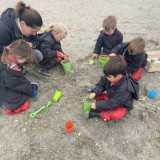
(15, 89)
(134, 55)
(50, 46)
(114, 93)
(109, 37)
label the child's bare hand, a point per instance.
(95, 55)
(93, 106)
(112, 54)
(92, 95)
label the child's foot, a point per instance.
(92, 114)
(90, 89)
(44, 72)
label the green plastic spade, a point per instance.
(34, 114)
(91, 61)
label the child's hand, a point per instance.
(95, 55)
(93, 106)
(112, 54)
(92, 95)
(59, 54)
(65, 57)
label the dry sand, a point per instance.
(136, 137)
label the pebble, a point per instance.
(24, 129)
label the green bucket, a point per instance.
(86, 105)
(103, 60)
(66, 65)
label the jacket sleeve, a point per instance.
(118, 99)
(100, 86)
(134, 64)
(5, 39)
(45, 48)
(19, 84)
(120, 49)
(119, 43)
(58, 46)
(99, 44)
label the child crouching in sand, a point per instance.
(120, 89)
(50, 46)
(15, 89)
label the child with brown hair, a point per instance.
(15, 89)
(120, 89)
(109, 37)
(50, 46)
(134, 55)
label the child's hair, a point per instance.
(109, 23)
(27, 14)
(136, 46)
(18, 48)
(59, 28)
(115, 66)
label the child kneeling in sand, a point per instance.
(50, 46)
(134, 55)
(114, 93)
(15, 89)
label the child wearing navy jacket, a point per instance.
(15, 89)
(114, 93)
(50, 46)
(109, 37)
(134, 55)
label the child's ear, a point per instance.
(119, 76)
(22, 23)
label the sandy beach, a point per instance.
(136, 137)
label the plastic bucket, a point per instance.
(57, 95)
(103, 60)
(86, 105)
(69, 127)
(66, 65)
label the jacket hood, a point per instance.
(133, 86)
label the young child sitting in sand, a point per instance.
(134, 55)
(114, 93)
(15, 89)
(109, 37)
(50, 46)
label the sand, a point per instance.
(136, 137)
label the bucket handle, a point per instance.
(84, 99)
(103, 55)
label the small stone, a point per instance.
(142, 98)
(24, 129)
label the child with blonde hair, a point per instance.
(15, 89)
(50, 46)
(109, 37)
